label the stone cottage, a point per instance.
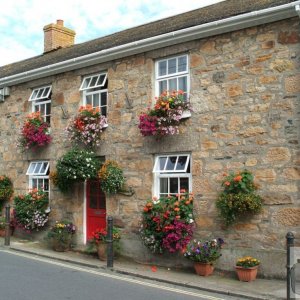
(237, 62)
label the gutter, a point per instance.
(168, 39)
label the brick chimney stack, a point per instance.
(57, 36)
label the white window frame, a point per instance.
(158, 174)
(38, 174)
(41, 97)
(175, 75)
(89, 89)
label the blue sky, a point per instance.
(22, 21)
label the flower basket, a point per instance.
(203, 269)
(164, 119)
(87, 126)
(34, 133)
(246, 274)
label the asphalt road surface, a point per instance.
(27, 277)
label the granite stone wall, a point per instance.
(246, 107)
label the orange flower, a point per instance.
(238, 178)
(176, 203)
(177, 217)
(187, 202)
(227, 183)
(146, 209)
(176, 209)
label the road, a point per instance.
(27, 277)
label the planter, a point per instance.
(60, 246)
(2, 232)
(246, 274)
(203, 269)
(102, 250)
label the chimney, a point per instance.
(57, 36)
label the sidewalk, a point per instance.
(258, 289)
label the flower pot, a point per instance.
(186, 114)
(203, 269)
(102, 250)
(60, 246)
(246, 274)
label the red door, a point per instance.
(96, 207)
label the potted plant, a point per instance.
(164, 119)
(168, 223)
(31, 210)
(239, 197)
(99, 239)
(35, 132)
(246, 268)
(204, 254)
(111, 176)
(87, 126)
(75, 166)
(6, 190)
(61, 234)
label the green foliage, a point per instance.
(31, 210)
(75, 166)
(62, 232)
(111, 176)
(238, 197)
(167, 223)
(6, 189)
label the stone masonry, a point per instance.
(246, 109)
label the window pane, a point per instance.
(34, 183)
(181, 163)
(46, 184)
(104, 111)
(184, 184)
(172, 84)
(103, 99)
(86, 82)
(46, 92)
(40, 92)
(102, 200)
(43, 169)
(182, 64)
(162, 162)
(172, 65)
(163, 185)
(93, 81)
(48, 108)
(38, 168)
(31, 168)
(162, 86)
(96, 100)
(171, 163)
(40, 184)
(34, 94)
(182, 83)
(42, 109)
(88, 100)
(100, 80)
(162, 68)
(173, 185)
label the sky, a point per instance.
(22, 21)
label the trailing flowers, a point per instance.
(35, 132)
(167, 223)
(164, 119)
(87, 126)
(31, 210)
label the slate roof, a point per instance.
(192, 18)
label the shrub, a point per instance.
(167, 223)
(6, 189)
(31, 210)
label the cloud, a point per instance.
(22, 21)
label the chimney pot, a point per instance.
(60, 22)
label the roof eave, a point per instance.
(201, 31)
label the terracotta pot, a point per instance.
(60, 246)
(102, 249)
(203, 269)
(246, 274)
(2, 232)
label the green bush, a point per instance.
(6, 189)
